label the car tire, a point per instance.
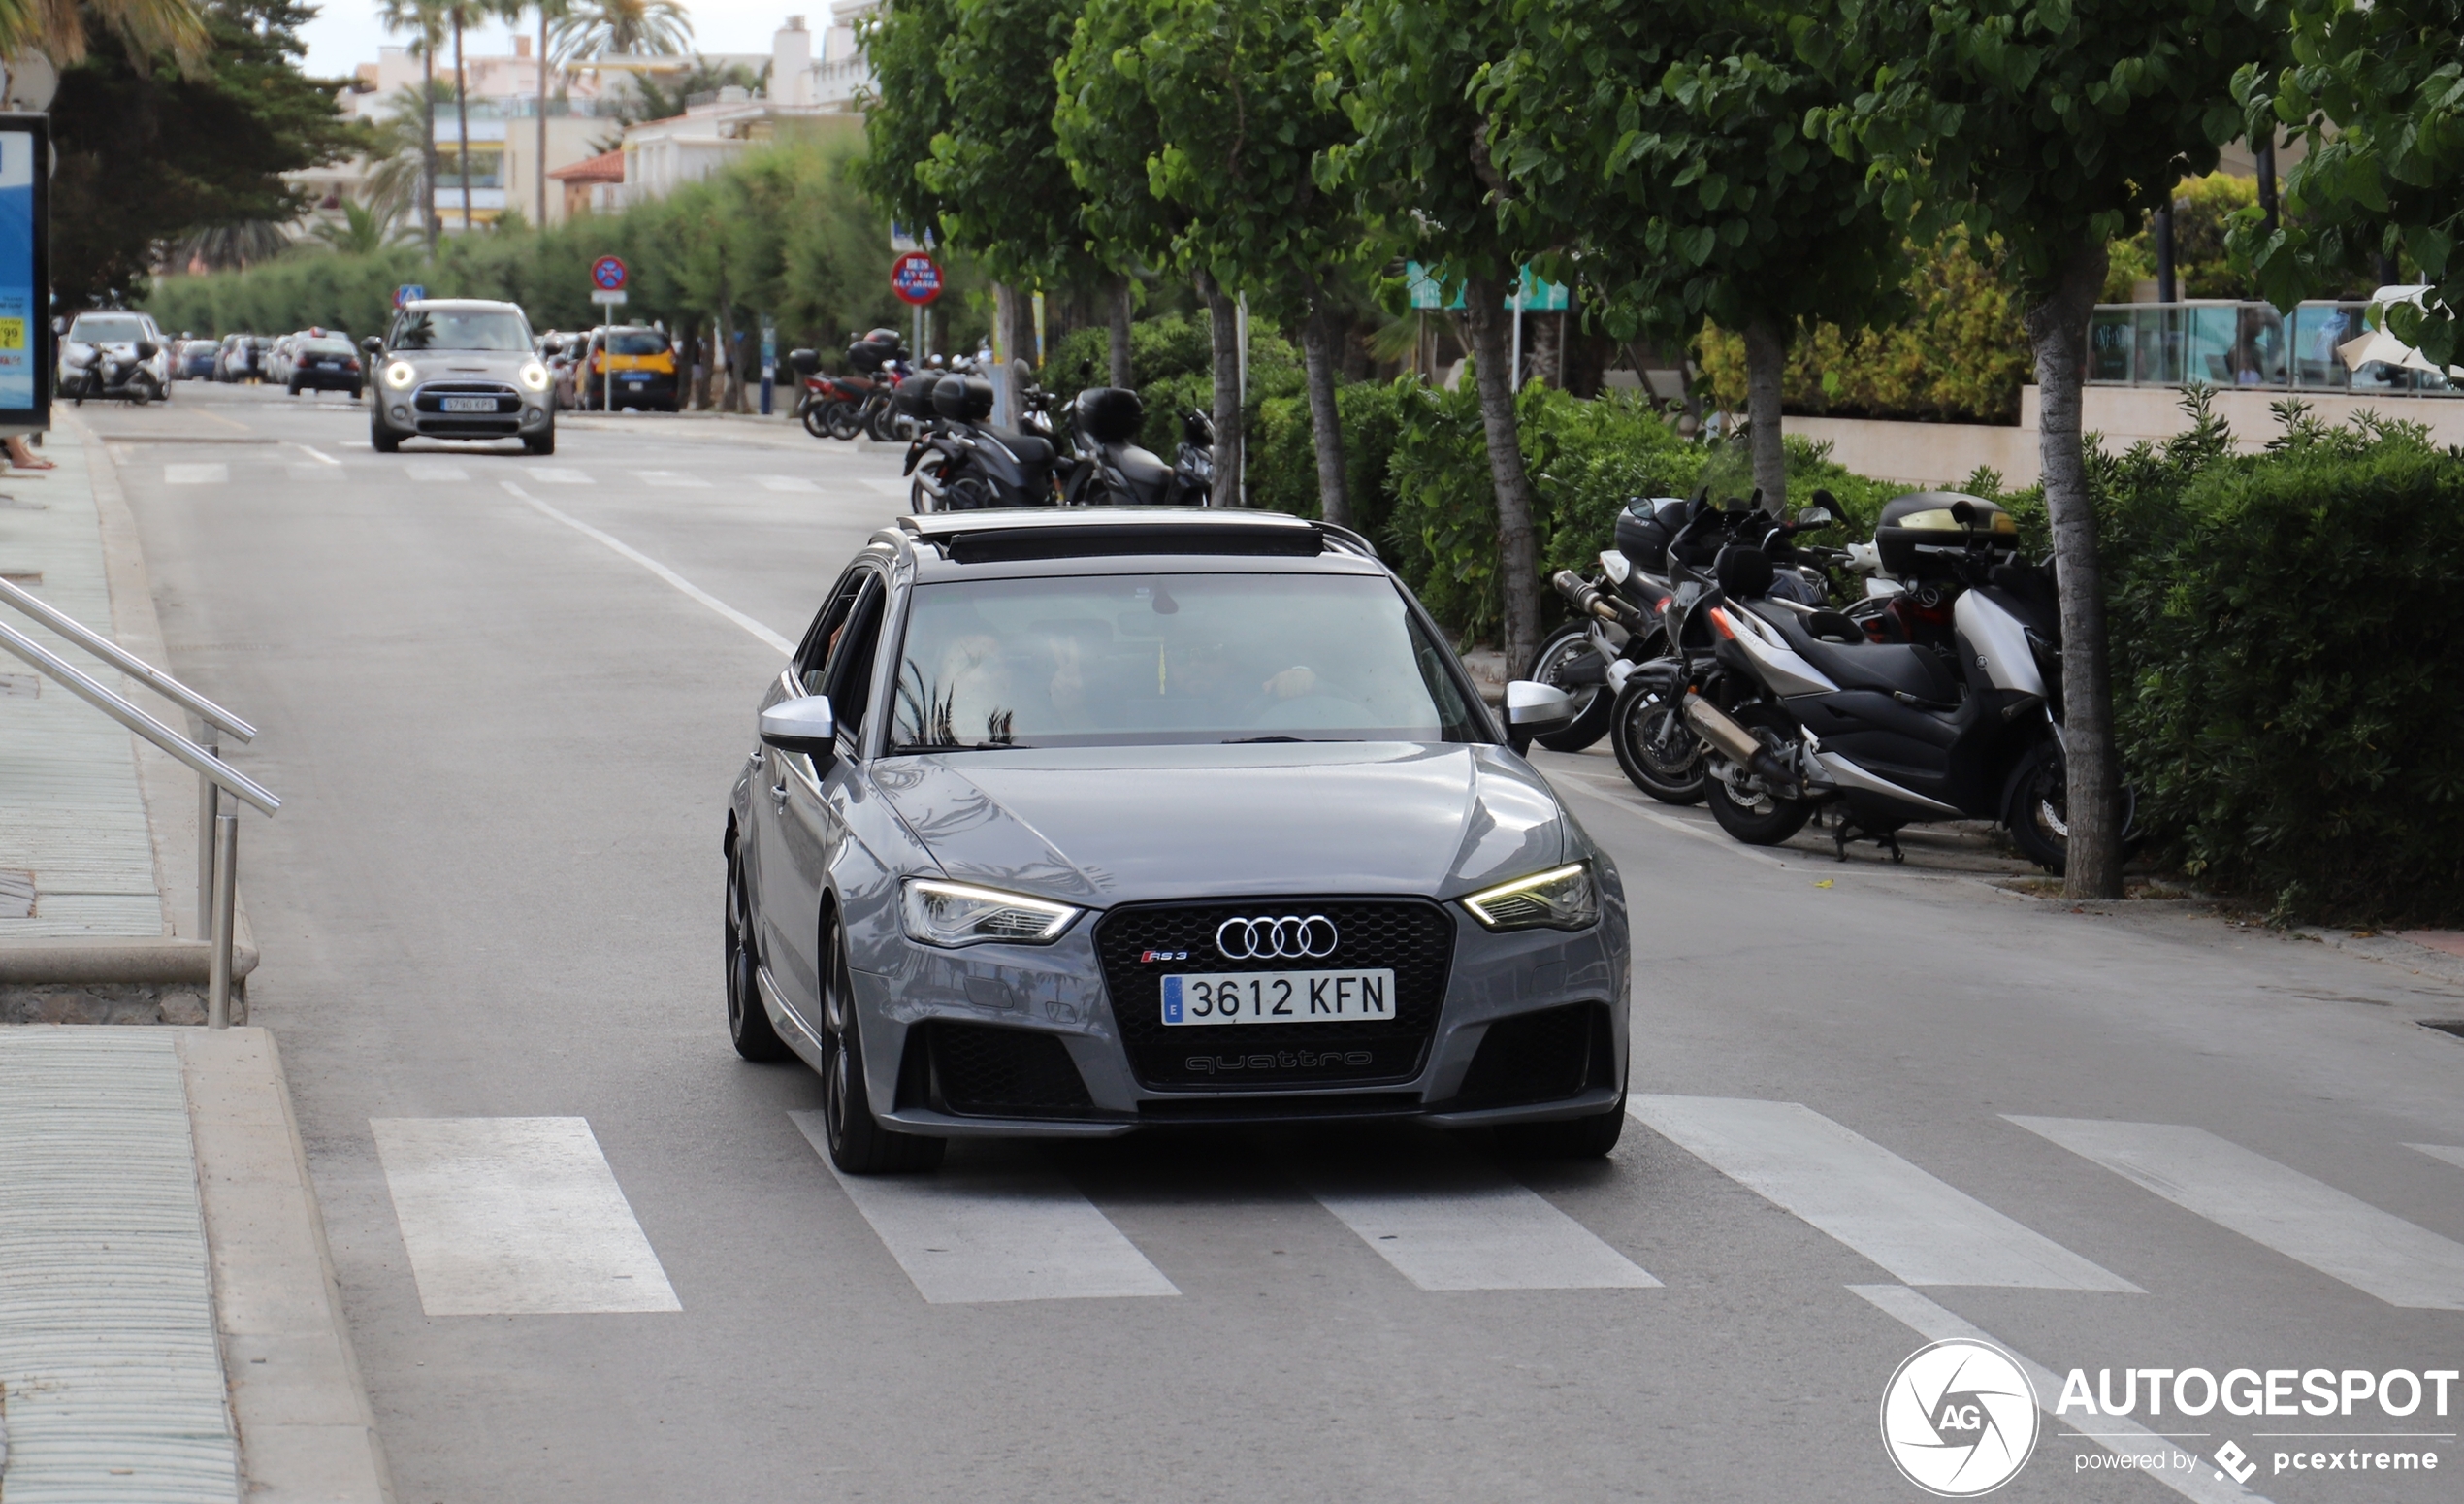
(1566, 1139)
(749, 1026)
(295, 389)
(383, 440)
(543, 444)
(859, 1144)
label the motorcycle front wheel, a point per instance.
(843, 419)
(1567, 648)
(1659, 753)
(1747, 810)
(815, 424)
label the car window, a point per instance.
(849, 673)
(1134, 660)
(328, 346)
(460, 329)
(638, 341)
(812, 657)
(108, 329)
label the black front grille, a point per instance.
(1541, 1057)
(982, 1070)
(432, 397)
(1280, 1108)
(1414, 938)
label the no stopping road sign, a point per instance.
(916, 278)
(608, 273)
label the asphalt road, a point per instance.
(505, 741)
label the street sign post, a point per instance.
(916, 278)
(408, 292)
(26, 362)
(608, 276)
(769, 360)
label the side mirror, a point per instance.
(147, 349)
(1814, 517)
(373, 346)
(1534, 709)
(801, 724)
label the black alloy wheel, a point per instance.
(816, 421)
(1745, 809)
(1659, 753)
(2037, 808)
(1566, 647)
(859, 1144)
(843, 419)
(749, 1026)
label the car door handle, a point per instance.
(778, 793)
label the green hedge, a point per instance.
(2284, 699)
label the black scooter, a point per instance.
(1107, 469)
(962, 463)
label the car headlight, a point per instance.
(401, 374)
(1563, 897)
(535, 377)
(946, 913)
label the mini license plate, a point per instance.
(470, 404)
(1279, 997)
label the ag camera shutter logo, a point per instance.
(1959, 1418)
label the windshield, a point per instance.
(461, 329)
(329, 345)
(638, 341)
(108, 329)
(1122, 660)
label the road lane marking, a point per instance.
(768, 636)
(436, 470)
(674, 479)
(212, 475)
(319, 455)
(1472, 1227)
(2189, 1476)
(553, 475)
(516, 1217)
(2307, 1221)
(796, 483)
(1922, 1230)
(2448, 1151)
(970, 1237)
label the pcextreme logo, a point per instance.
(1959, 1418)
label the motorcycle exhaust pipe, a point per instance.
(1587, 600)
(1718, 728)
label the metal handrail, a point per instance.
(217, 829)
(125, 662)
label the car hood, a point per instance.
(1113, 824)
(473, 362)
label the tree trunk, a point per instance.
(462, 121)
(1223, 324)
(538, 169)
(1485, 321)
(428, 143)
(2058, 332)
(1325, 423)
(1544, 347)
(1121, 374)
(1766, 362)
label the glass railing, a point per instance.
(2243, 344)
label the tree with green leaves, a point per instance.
(458, 14)
(2377, 98)
(149, 152)
(424, 20)
(2053, 127)
(1674, 135)
(61, 29)
(621, 28)
(1421, 168)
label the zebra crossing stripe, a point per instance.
(2307, 1221)
(1923, 1230)
(1471, 1227)
(1016, 1232)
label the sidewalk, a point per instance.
(169, 1330)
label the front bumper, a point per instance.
(1525, 1027)
(326, 379)
(420, 411)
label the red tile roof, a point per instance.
(607, 167)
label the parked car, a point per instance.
(324, 362)
(115, 353)
(193, 360)
(242, 358)
(458, 368)
(641, 363)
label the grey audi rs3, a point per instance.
(1064, 822)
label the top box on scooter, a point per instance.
(1645, 529)
(1920, 534)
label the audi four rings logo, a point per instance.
(1291, 938)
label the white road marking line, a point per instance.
(213, 474)
(1473, 1227)
(433, 470)
(2189, 1476)
(553, 475)
(1922, 1230)
(673, 479)
(516, 1217)
(969, 1237)
(2448, 1151)
(319, 455)
(2307, 1221)
(794, 484)
(768, 636)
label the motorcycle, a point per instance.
(1107, 469)
(1194, 461)
(1887, 734)
(960, 463)
(109, 370)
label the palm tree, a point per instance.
(427, 19)
(57, 28)
(229, 247)
(404, 144)
(364, 229)
(623, 28)
(548, 11)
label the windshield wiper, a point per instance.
(917, 748)
(1243, 741)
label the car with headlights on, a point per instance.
(1072, 822)
(458, 368)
